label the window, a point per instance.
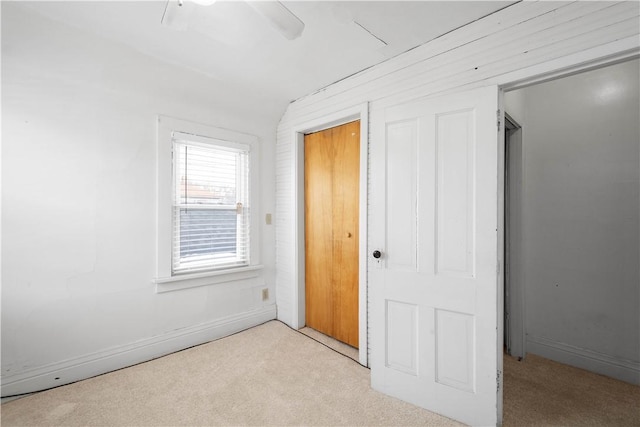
(206, 210)
(210, 204)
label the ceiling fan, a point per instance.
(176, 15)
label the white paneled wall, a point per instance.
(518, 43)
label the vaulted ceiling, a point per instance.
(229, 41)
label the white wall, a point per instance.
(79, 205)
(581, 184)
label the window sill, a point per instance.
(186, 281)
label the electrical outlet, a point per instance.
(265, 294)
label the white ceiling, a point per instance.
(230, 42)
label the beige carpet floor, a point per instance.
(332, 343)
(267, 375)
(541, 392)
(273, 375)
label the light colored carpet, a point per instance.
(273, 375)
(338, 346)
(267, 375)
(541, 392)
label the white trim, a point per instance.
(363, 312)
(516, 301)
(501, 149)
(621, 369)
(90, 365)
(600, 56)
(357, 112)
(206, 142)
(183, 281)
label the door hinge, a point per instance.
(498, 119)
(498, 380)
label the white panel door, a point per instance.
(434, 286)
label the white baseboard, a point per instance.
(87, 366)
(621, 369)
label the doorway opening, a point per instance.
(513, 307)
(571, 220)
(356, 113)
(571, 183)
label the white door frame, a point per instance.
(326, 121)
(514, 302)
(590, 59)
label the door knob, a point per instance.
(377, 254)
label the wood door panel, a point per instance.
(332, 163)
(345, 222)
(318, 244)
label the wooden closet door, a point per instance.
(332, 169)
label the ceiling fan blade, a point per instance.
(280, 18)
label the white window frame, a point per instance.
(164, 279)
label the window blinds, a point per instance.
(210, 204)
